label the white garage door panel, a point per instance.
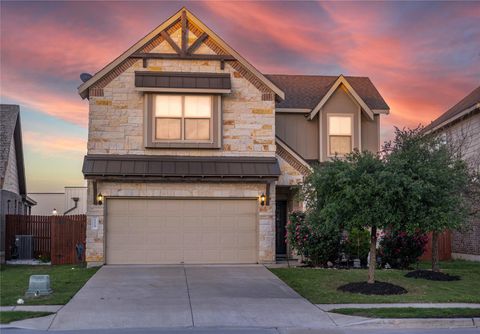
(161, 231)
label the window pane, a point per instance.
(198, 106)
(340, 145)
(168, 128)
(168, 106)
(340, 125)
(197, 129)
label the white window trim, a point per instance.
(182, 122)
(352, 135)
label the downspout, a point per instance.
(75, 200)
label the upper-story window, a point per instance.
(340, 134)
(183, 118)
(189, 121)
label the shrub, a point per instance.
(401, 250)
(317, 241)
(357, 244)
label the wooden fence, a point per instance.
(54, 237)
(444, 247)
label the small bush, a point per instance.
(357, 244)
(317, 241)
(401, 250)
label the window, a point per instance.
(183, 118)
(340, 132)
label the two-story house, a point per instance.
(13, 186)
(460, 127)
(194, 154)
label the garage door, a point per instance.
(172, 231)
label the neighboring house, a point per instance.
(62, 203)
(460, 126)
(13, 189)
(194, 156)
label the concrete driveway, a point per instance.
(187, 296)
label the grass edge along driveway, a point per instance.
(7, 317)
(319, 286)
(410, 312)
(66, 280)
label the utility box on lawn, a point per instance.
(39, 285)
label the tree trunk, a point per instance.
(373, 255)
(435, 266)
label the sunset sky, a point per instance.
(422, 56)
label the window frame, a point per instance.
(150, 125)
(352, 129)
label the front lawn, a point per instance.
(410, 312)
(66, 280)
(320, 285)
(7, 317)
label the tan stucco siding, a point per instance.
(10, 182)
(116, 120)
(299, 133)
(370, 133)
(339, 103)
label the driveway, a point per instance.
(187, 296)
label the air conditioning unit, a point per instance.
(24, 246)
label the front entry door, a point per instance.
(280, 228)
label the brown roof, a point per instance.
(467, 102)
(183, 80)
(306, 91)
(180, 167)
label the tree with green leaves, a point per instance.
(430, 184)
(353, 192)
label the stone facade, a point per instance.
(116, 120)
(117, 123)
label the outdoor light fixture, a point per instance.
(263, 199)
(54, 212)
(99, 199)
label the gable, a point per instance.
(304, 92)
(341, 82)
(182, 36)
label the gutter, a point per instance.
(75, 200)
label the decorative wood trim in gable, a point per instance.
(96, 83)
(97, 88)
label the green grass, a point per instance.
(7, 317)
(65, 283)
(320, 285)
(410, 312)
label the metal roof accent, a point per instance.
(180, 167)
(182, 80)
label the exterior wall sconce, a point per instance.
(263, 199)
(99, 199)
(54, 212)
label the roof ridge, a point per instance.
(317, 75)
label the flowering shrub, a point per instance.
(317, 241)
(400, 250)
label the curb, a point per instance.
(416, 323)
(32, 308)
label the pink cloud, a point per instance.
(55, 146)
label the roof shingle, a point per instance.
(306, 91)
(467, 102)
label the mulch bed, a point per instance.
(432, 275)
(377, 288)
